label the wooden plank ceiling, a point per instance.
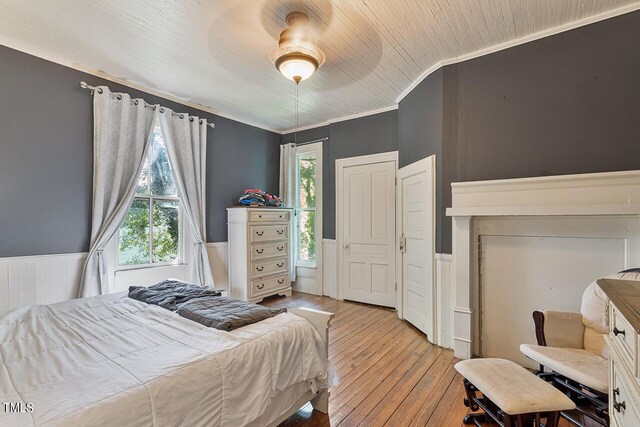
(216, 52)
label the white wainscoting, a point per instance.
(329, 269)
(306, 280)
(219, 259)
(46, 279)
(446, 300)
(42, 279)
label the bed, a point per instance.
(111, 360)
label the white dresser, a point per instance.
(624, 365)
(259, 253)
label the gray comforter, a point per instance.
(225, 313)
(202, 305)
(169, 293)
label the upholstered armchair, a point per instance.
(572, 351)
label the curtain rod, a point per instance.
(326, 138)
(85, 85)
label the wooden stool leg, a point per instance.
(507, 421)
(470, 390)
(553, 418)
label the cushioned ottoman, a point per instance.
(510, 395)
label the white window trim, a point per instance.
(181, 248)
(315, 148)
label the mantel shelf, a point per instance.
(549, 210)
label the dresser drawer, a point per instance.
(273, 216)
(264, 268)
(263, 233)
(268, 284)
(624, 337)
(622, 406)
(269, 250)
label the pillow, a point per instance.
(594, 313)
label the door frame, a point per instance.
(409, 170)
(341, 164)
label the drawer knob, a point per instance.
(259, 250)
(280, 265)
(260, 268)
(259, 233)
(280, 231)
(280, 248)
(260, 286)
(617, 331)
(618, 406)
(281, 281)
(259, 216)
(280, 216)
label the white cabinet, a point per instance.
(259, 252)
(624, 378)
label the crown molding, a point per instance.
(522, 40)
(342, 119)
(12, 44)
(106, 76)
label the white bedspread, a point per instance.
(110, 360)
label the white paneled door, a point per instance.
(416, 226)
(368, 226)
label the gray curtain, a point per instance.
(186, 141)
(288, 194)
(122, 131)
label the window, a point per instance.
(150, 233)
(306, 204)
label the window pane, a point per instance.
(134, 235)
(307, 236)
(162, 183)
(307, 184)
(143, 182)
(165, 230)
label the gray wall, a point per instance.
(420, 132)
(373, 134)
(560, 105)
(564, 104)
(46, 157)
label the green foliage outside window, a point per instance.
(307, 203)
(154, 213)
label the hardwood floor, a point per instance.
(389, 373)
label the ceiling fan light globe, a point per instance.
(296, 68)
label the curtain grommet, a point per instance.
(162, 110)
(100, 91)
(119, 97)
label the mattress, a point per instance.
(110, 360)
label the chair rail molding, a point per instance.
(548, 199)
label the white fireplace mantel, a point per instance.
(597, 194)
